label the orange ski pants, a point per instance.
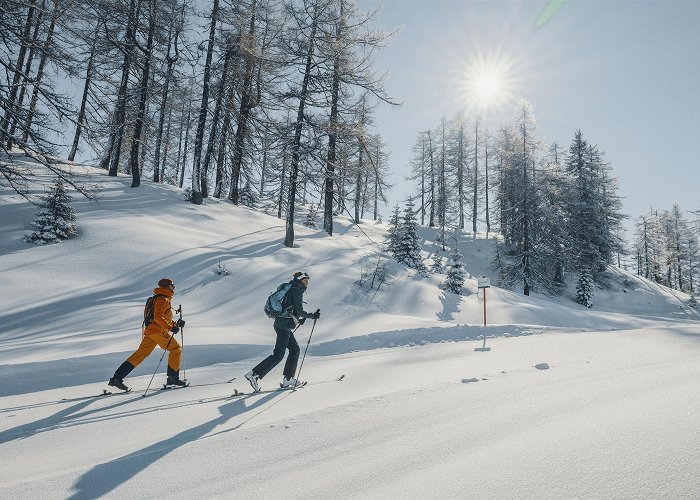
(164, 340)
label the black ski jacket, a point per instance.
(293, 299)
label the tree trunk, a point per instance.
(460, 172)
(486, 187)
(296, 145)
(182, 152)
(225, 127)
(220, 96)
(166, 147)
(476, 177)
(422, 181)
(358, 182)
(431, 221)
(10, 113)
(34, 43)
(40, 72)
(333, 131)
(246, 105)
(145, 80)
(83, 102)
(164, 103)
(283, 187)
(197, 197)
(115, 141)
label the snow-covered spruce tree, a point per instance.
(408, 250)
(584, 289)
(438, 266)
(455, 273)
(54, 222)
(594, 210)
(310, 220)
(523, 259)
(394, 233)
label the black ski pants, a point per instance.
(285, 340)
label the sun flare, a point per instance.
(487, 82)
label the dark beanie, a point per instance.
(165, 283)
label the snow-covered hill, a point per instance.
(569, 402)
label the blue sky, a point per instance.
(627, 73)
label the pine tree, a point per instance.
(455, 273)
(311, 215)
(408, 249)
(438, 266)
(394, 233)
(54, 222)
(584, 289)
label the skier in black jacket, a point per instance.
(285, 324)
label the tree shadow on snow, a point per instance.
(450, 305)
(103, 478)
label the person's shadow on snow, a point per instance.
(103, 478)
(66, 417)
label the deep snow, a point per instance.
(568, 403)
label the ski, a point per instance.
(103, 394)
(237, 394)
(106, 393)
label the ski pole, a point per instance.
(182, 338)
(304, 356)
(159, 362)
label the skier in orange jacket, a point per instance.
(160, 330)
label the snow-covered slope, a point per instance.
(569, 402)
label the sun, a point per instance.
(487, 82)
(487, 86)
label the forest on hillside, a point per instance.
(270, 104)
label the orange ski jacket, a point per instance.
(162, 313)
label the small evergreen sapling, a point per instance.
(55, 220)
(455, 273)
(438, 266)
(391, 243)
(311, 216)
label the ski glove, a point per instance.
(175, 329)
(180, 323)
(302, 320)
(317, 314)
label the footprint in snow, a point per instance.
(542, 366)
